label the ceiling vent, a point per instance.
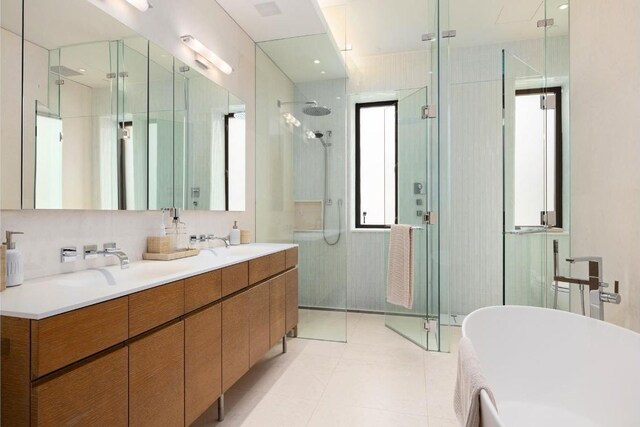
(61, 70)
(268, 9)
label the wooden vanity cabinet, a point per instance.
(94, 394)
(259, 327)
(156, 378)
(277, 309)
(291, 299)
(161, 356)
(235, 339)
(202, 361)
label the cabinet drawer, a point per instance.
(156, 378)
(266, 266)
(151, 308)
(202, 361)
(234, 278)
(277, 308)
(291, 299)
(94, 394)
(292, 257)
(61, 340)
(202, 289)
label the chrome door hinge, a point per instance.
(430, 325)
(429, 218)
(428, 111)
(543, 23)
(447, 34)
(111, 75)
(548, 219)
(123, 74)
(548, 101)
(60, 82)
(428, 37)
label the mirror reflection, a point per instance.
(112, 121)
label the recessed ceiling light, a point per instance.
(563, 6)
(82, 70)
(267, 9)
(322, 72)
(337, 97)
(316, 61)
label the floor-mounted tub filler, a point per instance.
(553, 368)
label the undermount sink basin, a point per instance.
(95, 277)
(232, 251)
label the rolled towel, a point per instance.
(470, 382)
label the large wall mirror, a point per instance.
(110, 120)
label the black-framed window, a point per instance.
(376, 164)
(538, 169)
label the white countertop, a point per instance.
(51, 295)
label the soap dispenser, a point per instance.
(234, 235)
(15, 269)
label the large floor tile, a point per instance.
(373, 385)
(353, 416)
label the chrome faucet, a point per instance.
(109, 249)
(597, 297)
(209, 237)
(224, 239)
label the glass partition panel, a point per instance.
(301, 149)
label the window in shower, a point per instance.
(376, 164)
(538, 156)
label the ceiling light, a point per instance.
(564, 6)
(207, 54)
(141, 5)
(268, 9)
(316, 61)
(322, 72)
(337, 97)
(82, 70)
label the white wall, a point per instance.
(605, 81)
(47, 231)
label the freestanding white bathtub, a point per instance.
(553, 368)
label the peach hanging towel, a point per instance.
(400, 268)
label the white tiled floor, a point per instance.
(376, 379)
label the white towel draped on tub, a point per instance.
(470, 382)
(400, 269)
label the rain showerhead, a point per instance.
(311, 108)
(316, 111)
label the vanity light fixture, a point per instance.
(564, 6)
(206, 53)
(141, 5)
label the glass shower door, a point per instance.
(419, 323)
